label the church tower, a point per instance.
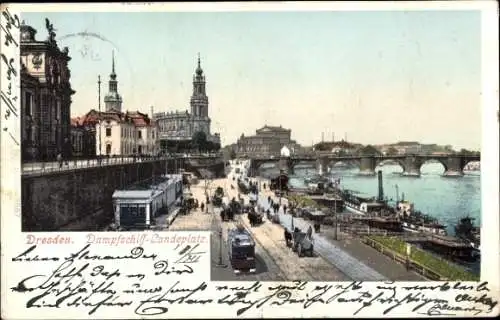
(199, 99)
(199, 102)
(113, 100)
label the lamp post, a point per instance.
(336, 218)
(220, 264)
(408, 254)
(279, 180)
(99, 104)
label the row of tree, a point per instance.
(201, 143)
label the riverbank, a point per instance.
(423, 265)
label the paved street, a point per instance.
(275, 261)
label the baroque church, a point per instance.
(176, 128)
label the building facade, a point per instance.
(45, 95)
(177, 128)
(147, 133)
(77, 138)
(113, 132)
(268, 140)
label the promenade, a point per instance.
(357, 260)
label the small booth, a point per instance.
(135, 209)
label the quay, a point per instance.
(334, 260)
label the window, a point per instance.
(139, 134)
(108, 132)
(108, 149)
(27, 98)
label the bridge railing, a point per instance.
(354, 156)
(65, 165)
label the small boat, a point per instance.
(466, 231)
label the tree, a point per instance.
(392, 151)
(369, 150)
(199, 140)
(232, 154)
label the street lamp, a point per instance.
(100, 116)
(408, 254)
(220, 264)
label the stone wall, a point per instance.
(79, 199)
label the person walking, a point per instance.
(60, 160)
(66, 151)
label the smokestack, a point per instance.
(380, 187)
(333, 136)
(322, 137)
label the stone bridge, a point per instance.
(453, 163)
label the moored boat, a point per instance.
(416, 221)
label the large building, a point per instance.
(268, 140)
(113, 132)
(177, 128)
(45, 96)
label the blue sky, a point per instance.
(378, 77)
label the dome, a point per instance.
(285, 152)
(199, 71)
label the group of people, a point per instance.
(276, 206)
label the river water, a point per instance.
(447, 199)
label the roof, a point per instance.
(267, 128)
(242, 237)
(93, 116)
(134, 194)
(75, 122)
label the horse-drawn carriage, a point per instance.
(236, 206)
(226, 213)
(217, 197)
(254, 217)
(300, 242)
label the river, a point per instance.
(447, 199)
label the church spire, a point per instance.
(113, 74)
(113, 100)
(199, 70)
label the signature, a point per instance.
(9, 23)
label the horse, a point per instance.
(288, 237)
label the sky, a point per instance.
(373, 77)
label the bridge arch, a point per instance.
(382, 162)
(332, 162)
(468, 161)
(429, 161)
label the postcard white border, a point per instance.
(10, 154)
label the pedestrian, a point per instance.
(284, 208)
(66, 151)
(59, 160)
